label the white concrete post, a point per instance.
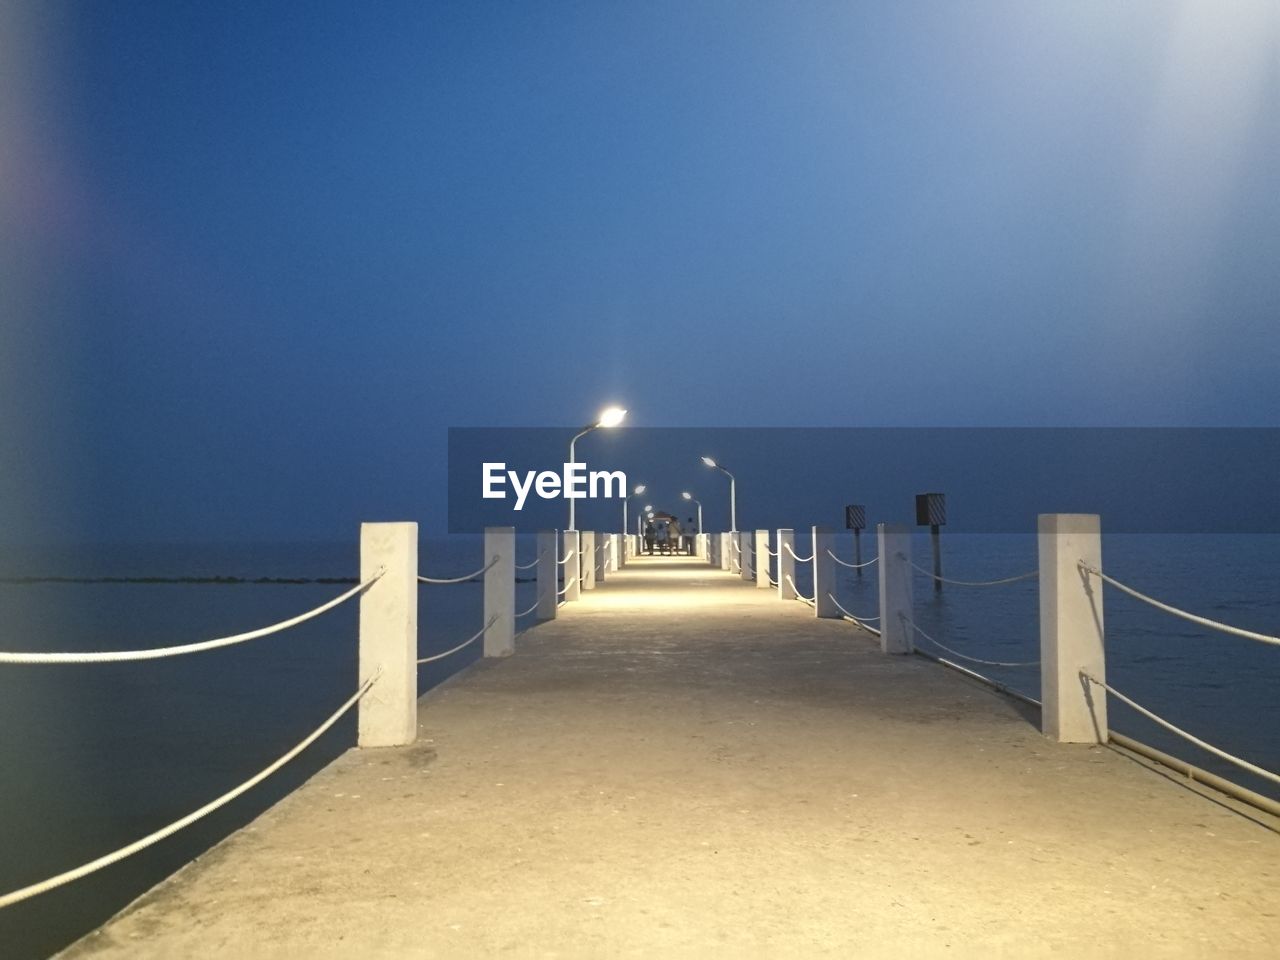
(786, 565)
(745, 560)
(735, 554)
(762, 558)
(1072, 638)
(726, 551)
(500, 591)
(388, 714)
(572, 565)
(704, 548)
(587, 544)
(617, 552)
(824, 574)
(548, 575)
(602, 556)
(894, 542)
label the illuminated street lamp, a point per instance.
(733, 493)
(609, 417)
(636, 492)
(689, 496)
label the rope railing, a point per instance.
(525, 613)
(529, 566)
(971, 583)
(463, 645)
(794, 557)
(1191, 617)
(851, 566)
(565, 589)
(116, 856)
(853, 615)
(1190, 738)
(470, 576)
(864, 623)
(772, 582)
(772, 553)
(567, 557)
(121, 656)
(964, 656)
(799, 595)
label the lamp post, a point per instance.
(609, 417)
(733, 493)
(689, 496)
(636, 492)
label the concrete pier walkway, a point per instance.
(684, 765)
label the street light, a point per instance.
(733, 493)
(609, 417)
(689, 496)
(637, 491)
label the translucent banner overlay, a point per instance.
(995, 480)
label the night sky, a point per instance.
(256, 259)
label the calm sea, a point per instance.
(96, 756)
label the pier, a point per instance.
(687, 761)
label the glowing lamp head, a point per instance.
(687, 495)
(708, 461)
(648, 508)
(611, 417)
(639, 490)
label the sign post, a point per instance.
(855, 519)
(931, 509)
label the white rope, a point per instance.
(851, 566)
(772, 582)
(852, 616)
(772, 553)
(470, 640)
(567, 557)
(864, 624)
(799, 595)
(1202, 621)
(733, 541)
(527, 566)
(972, 583)
(794, 557)
(485, 569)
(1243, 764)
(525, 613)
(120, 656)
(565, 589)
(105, 861)
(965, 656)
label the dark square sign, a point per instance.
(931, 509)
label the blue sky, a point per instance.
(257, 258)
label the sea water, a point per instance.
(95, 756)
